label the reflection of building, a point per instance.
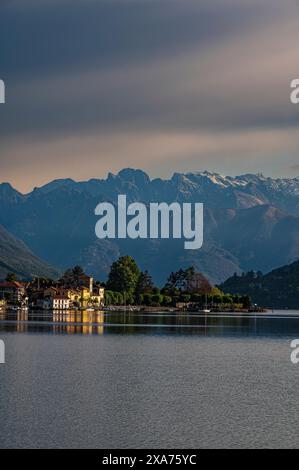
(83, 322)
(22, 318)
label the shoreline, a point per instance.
(142, 310)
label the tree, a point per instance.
(42, 282)
(176, 280)
(145, 284)
(216, 291)
(246, 300)
(77, 273)
(167, 300)
(147, 299)
(227, 299)
(72, 277)
(157, 299)
(124, 275)
(197, 283)
(187, 281)
(196, 298)
(11, 277)
(185, 298)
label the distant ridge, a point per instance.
(291, 185)
(16, 258)
(278, 288)
(251, 222)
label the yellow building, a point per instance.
(85, 300)
(84, 296)
(98, 296)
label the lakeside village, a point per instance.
(127, 288)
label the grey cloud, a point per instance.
(49, 38)
(227, 85)
(111, 78)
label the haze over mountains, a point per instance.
(250, 222)
(16, 258)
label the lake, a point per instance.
(131, 380)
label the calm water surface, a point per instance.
(116, 380)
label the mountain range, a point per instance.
(250, 222)
(15, 257)
(278, 288)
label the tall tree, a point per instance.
(188, 280)
(176, 280)
(11, 277)
(77, 273)
(145, 283)
(71, 277)
(198, 283)
(124, 275)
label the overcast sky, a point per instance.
(164, 85)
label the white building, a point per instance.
(55, 303)
(60, 303)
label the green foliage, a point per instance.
(147, 299)
(196, 298)
(185, 298)
(113, 298)
(11, 277)
(72, 277)
(144, 284)
(77, 271)
(187, 281)
(157, 299)
(128, 285)
(177, 280)
(227, 299)
(42, 282)
(246, 301)
(124, 275)
(167, 301)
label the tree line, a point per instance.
(127, 284)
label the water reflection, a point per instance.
(100, 322)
